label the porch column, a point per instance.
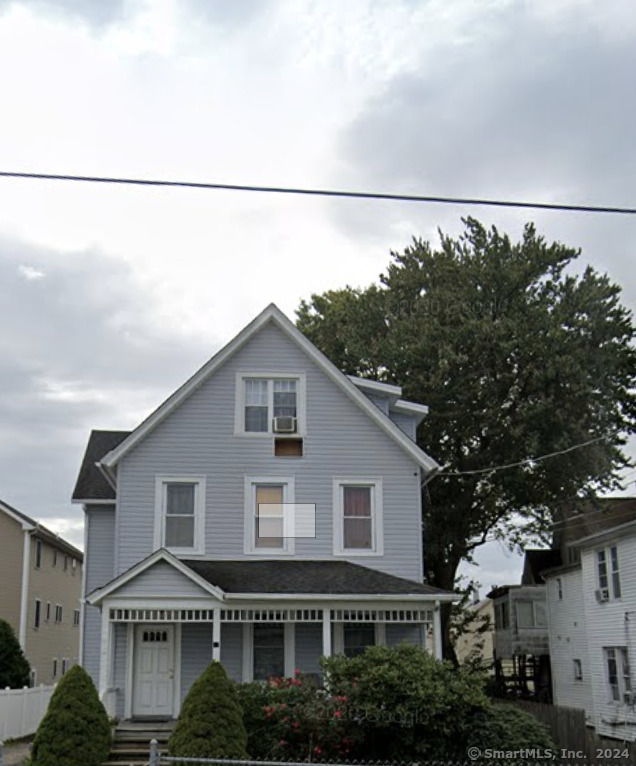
(216, 635)
(106, 659)
(326, 632)
(437, 630)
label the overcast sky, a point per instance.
(112, 296)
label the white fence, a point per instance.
(21, 710)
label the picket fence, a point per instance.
(21, 710)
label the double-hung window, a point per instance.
(358, 528)
(180, 513)
(270, 403)
(269, 651)
(619, 681)
(608, 572)
(268, 503)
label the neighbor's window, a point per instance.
(269, 651)
(578, 670)
(608, 571)
(559, 588)
(531, 614)
(358, 515)
(54, 667)
(38, 554)
(36, 618)
(76, 617)
(618, 675)
(357, 637)
(48, 611)
(180, 514)
(59, 613)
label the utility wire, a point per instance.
(571, 208)
(528, 461)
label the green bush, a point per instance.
(75, 730)
(14, 668)
(407, 704)
(210, 724)
(506, 728)
(292, 719)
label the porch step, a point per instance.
(131, 741)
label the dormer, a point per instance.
(386, 397)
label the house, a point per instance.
(266, 514)
(41, 576)
(592, 613)
(476, 643)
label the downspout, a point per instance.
(24, 596)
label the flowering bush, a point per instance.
(291, 718)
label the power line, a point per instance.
(528, 461)
(570, 208)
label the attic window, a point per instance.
(288, 447)
(269, 402)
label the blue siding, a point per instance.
(198, 438)
(232, 649)
(99, 563)
(196, 653)
(405, 423)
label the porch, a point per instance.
(151, 656)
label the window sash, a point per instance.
(36, 617)
(603, 582)
(267, 398)
(269, 521)
(285, 398)
(578, 670)
(357, 517)
(268, 651)
(616, 582)
(180, 500)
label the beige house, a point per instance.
(40, 589)
(476, 643)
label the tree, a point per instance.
(210, 723)
(75, 730)
(518, 357)
(14, 667)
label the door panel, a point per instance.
(153, 671)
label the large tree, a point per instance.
(518, 354)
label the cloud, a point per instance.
(79, 349)
(97, 14)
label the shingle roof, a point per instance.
(91, 484)
(537, 561)
(311, 577)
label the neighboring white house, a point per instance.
(191, 549)
(592, 617)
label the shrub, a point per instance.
(408, 705)
(505, 727)
(14, 668)
(210, 724)
(75, 730)
(290, 718)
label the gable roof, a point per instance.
(225, 580)
(39, 531)
(91, 483)
(274, 315)
(537, 561)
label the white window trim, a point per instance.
(199, 512)
(621, 653)
(249, 491)
(377, 516)
(239, 399)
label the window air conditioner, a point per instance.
(602, 595)
(285, 425)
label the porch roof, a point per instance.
(305, 577)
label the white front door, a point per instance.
(153, 685)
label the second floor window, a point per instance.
(58, 613)
(180, 510)
(76, 617)
(358, 517)
(266, 503)
(531, 614)
(36, 619)
(609, 581)
(38, 554)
